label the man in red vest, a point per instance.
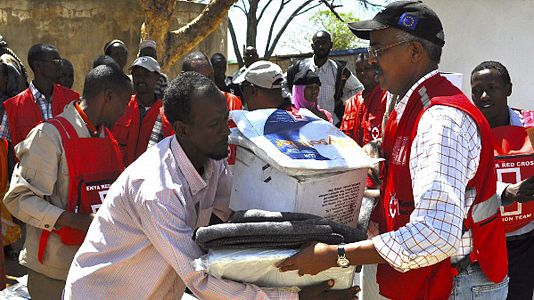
(144, 123)
(490, 87)
(66, 166)
(441, 234)
(42, 100)
(362, 120)
(200, 63)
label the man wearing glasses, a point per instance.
(42, 100)
(441, 231)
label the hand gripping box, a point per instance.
(297, 163)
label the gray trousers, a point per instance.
(44, 287)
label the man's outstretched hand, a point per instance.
(522, 191)
(322, 291)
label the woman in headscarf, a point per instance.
(305, 92)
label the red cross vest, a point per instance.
(94, 164)
(362, 120)
(133, 135)
(514, 162)
(483, 218)
(23, 113)
(233, 103)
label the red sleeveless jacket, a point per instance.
(94, 164)
(483, 218)
(514, 162)
(23, 113)
(362, 120)
(133, 134)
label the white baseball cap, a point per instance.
(262, 73)
(148, 63)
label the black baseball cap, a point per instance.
(413, 17)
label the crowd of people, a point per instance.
(111, 183)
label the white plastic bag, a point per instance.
(257, 266)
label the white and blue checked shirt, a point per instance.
(45, 104)
(444, 156)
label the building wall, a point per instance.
(80, 28)
(479, 30)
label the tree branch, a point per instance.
(264, 9)
(271, 29)
(333, 7)
(284, 27)
(308, 9)
(235, 44)
(185, 39)
(241, 9)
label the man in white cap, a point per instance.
(261, 86)
(148, 48)
(143, 124)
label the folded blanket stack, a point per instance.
(264, 229)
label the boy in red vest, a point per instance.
(441, 234)
(143, 124)
(490, 88)
(66, 166)
(42, 100)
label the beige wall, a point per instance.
(80, 28)
(478, 30)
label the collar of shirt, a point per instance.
(37, 95)
(399, 107)
(516, 119)
(195, 181)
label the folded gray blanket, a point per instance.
(287, 242)
(258, 215)
(265, 229)
(229, 230)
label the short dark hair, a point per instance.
(494, 65)
(179, 94)
(67, 65)
(38, 51)
(217, 56)
(4, 69)
(105, 60)
(104, 77)
(187, 63)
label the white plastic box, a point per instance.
(336, 196)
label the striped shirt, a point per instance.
(327, 74)
(139, 245)
(444, 156)
(45, 104)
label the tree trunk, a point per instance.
(175, 44)
(252, 23)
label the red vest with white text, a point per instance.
(514, 162)
(23, 113)
(483, 218)
(133, 134)
(94, 164)
(362, 120)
